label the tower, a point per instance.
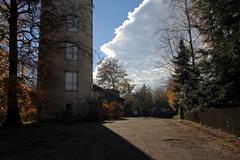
(65, 59)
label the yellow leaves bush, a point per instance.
(2, 114)
(112, 110)
(28, 113)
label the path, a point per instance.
(131, 139)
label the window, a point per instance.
(71, 52)
(72, 23)
(70, 81)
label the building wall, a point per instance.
(52, 95)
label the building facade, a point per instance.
(65, 59)
(106, 95)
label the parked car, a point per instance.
(162, 112)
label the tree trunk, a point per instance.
(13, 116)
(189, 32)
(181, 112)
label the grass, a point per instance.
(227, 140)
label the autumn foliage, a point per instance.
(112, 110)
(28, 111)
(170, 93)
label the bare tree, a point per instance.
(3, 83)
(179, 26)
(112, 75)
(18, 38)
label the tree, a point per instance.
(145, 98)
(181, 28)
(180, 25)
(218, 23)
(170, 93)
(3, 84)
(159, 98)
(126, 87)
(181, 78)
(210, 32)
(112, 75)
(18, 30)
(24, 52)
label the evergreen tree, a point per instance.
(181, 78)
(219, 23)
(145, 98)
(160, 98)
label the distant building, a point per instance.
(106, 95)
(100, 97)
(65, 60)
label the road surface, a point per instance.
(129, 139)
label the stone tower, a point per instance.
(65, 59)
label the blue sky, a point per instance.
(108, 15)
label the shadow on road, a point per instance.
(83, 141)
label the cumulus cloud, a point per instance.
(135, 44)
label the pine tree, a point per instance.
(219, 23)
(181, 78)
(144, 96)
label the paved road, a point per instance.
(131, 139)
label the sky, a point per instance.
(126, 29)
(108, 15)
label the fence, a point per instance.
(226, 119)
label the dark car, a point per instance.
(162, 112)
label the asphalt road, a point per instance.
(130, 139)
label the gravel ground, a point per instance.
(130, 139)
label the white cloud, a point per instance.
(135, 43)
